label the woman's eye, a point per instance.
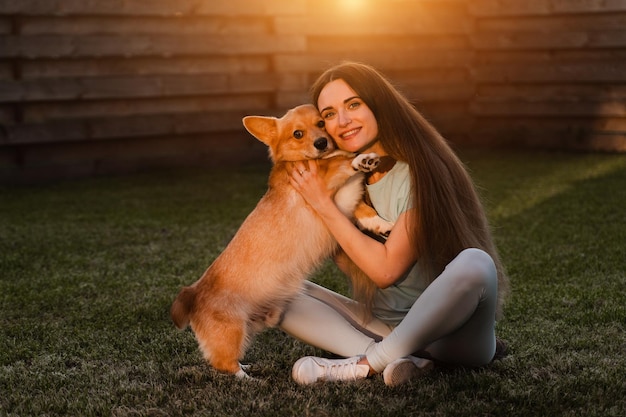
(354, 105)
(298, 134)
(328, 115)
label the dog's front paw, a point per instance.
(366, 162)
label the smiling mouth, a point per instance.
(349, 133)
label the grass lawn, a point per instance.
(88, 270)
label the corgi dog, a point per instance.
(278, 245)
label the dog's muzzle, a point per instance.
(321, 143)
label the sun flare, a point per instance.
(353, 4)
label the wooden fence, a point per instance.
(98, 86)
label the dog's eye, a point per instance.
(321, 124)
(298, 134)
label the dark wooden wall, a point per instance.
(550, 73)
(98, 86)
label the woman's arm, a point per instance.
(385, 262)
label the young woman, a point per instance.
(435, 284)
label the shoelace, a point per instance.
(347, 368)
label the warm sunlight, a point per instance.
(354, 5)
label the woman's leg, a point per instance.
(453, 319)
(330, 321)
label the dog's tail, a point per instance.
(183, 306)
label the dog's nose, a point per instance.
(320, 143)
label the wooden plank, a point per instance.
(559, 134)
(62, 46)
(549, 40)
(543, 92)
(7, 115)
(525, 58)
(587, 6)
(590, 122)
(165, 8)
(610, 124)
(192, 25)
(44, 133)
(435, 8)
(388, 21)
(90, 88)
(206, 65)
(419, 77)
(486, 8)
(601, 71)
(169, 124)
(288, 99)
(6, 25)
(132, 8)
(285, 7)
(122, 127)
(6, 71)
(418, 44)
(600, 141)
(553, 23)
(41, 112)
(110, 87)
(590, 55)
(451, 119)
(510, 57)
(548, 108)
(440, 92)
(389, 60)
(293, 81)
(253, 83)
(47, 163)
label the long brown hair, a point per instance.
(449, 215)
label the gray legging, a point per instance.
(453, 320)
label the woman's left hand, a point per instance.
(305, 180)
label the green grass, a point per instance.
(89, 268)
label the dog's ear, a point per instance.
(263, 128)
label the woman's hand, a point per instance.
(305, 180)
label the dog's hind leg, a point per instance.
(367, 219)
(223, 344)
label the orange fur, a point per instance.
(276, 248)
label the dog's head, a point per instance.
(298, 135)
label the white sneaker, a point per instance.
(311, 369)
(405, 369)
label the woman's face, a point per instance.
(348, 119)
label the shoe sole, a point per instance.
(407, 371)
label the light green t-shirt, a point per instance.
(391, 196)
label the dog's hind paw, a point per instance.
(376, 225)
(366, 162)
(241, 374)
